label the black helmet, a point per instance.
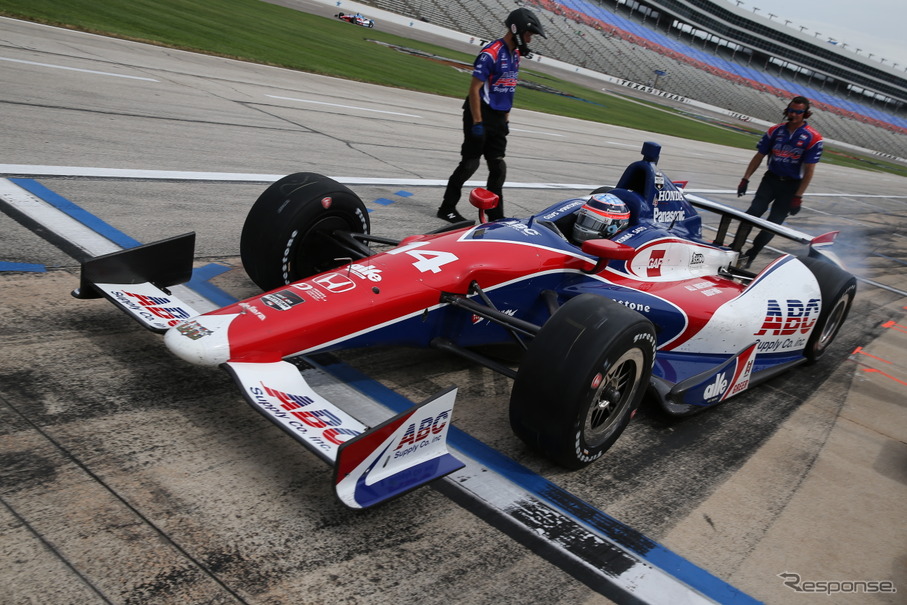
(520, 21)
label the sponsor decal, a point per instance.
(698, 258)
(596, 382)
(326, 202)
(316, 424)
(282, 300)
(790, 318)
(670, 195)
(152, 308)
(793, 320)
(310, 291)
(698, 286)
(285, 261)
(335, 282)
(563, 210)
(422, 433)
(525, 230)
(628, 234)
(193, 330)
(717, 388)
(744, 382)
(669, 216)
(656, 259)
(365, 272)
(705, 288)
(253, 310)
(634, 305)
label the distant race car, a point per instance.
(356, 19)
(608, 297)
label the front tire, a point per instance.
(582, 379)
(287, 233)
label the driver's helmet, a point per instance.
(604, 215)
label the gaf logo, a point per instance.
(793, 317)
(656, 259)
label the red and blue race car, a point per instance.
(653, 307)
(356, 19)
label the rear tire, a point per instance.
(838, 288)
(287, 233)
(582, 379)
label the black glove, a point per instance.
(795, 203)
(741, 188)
(477, 131)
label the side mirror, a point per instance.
(605, 250)
(483, 199)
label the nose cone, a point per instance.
(202, 340)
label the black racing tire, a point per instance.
(582, 379)
(287, 233)
(838, 288)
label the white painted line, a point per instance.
(85, 71)
(251, 177)
(393, 113)
(55, 221)
(819, 194)
(129, 173)
(550, 134)
(235, 177)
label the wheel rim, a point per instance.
(835, 319)
(315, 253)
(612, 397)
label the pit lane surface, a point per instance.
(129, 476)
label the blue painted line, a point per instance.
(578, 510)
(23, 267)
(403, 194)
(200, 284)
(384, 201)
(83, 216)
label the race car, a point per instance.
(608, 297)
(356, 19)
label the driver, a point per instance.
(604, 215)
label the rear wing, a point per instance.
(818, 245)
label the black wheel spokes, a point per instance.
(835, 319)
(612, 397)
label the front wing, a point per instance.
(371, 465)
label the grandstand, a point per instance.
(711, 52)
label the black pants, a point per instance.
(492, 147)
(775, 192)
